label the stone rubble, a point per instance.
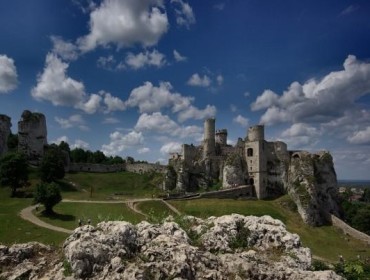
(227, 247)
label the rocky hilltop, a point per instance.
(312, 184)
(227, 247)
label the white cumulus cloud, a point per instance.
(55, 86)
(317, 100)
(146, 58)
(178, 57)
(184, 13)
(244, 122)
(112, 103)
(120, 142)
(150, 98)
(66, 50)
(360, 137)
(197, 114)
(72, 121)
(80, 144)
(171, 147)
(198, 81)
(8, 74)
(143, 150)
(125, 23)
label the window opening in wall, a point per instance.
(250, 152)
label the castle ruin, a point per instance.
(252, 161)
(32, 135)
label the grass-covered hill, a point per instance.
(326, 242)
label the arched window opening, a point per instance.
(250, 152)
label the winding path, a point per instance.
(27, 214)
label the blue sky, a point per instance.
(138, 78)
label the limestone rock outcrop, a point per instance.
(32, 135)
(26, 261)
(313, 186)
(234, 173)
(5, 125)
(227, 247)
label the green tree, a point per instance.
(52, 164)
(361, 220)
(14, 171)
(130, 160)
(13, 142)
(78, 155)
(49, 195)
(64, 147)
(366, 195)
(99, 157)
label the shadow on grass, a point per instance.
(66, 187)
(57, 216)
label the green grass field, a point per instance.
(326, 242)
(67, 214)
(156, 210)
(102, 186)
(13, 229)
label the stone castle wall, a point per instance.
(5, 124)
(145, 168)
(96, 168)
(32, 135)
(105, 168)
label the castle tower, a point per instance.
(209, 145)
(221, 137)
(5, 125)
(255, 156)
(32, 135)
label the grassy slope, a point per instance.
(326, 242)
(13, 229)
(156, 210)
(128, 185)
(68, 214)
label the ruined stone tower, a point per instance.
(255, 156)
(32, 135)
(221, 137)
(5, 125)
(209, 145)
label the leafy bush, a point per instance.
(354, 270)
(319, 265)
(240, 240)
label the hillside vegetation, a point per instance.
(326, 242)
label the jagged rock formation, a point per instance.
(233, 172)
(227, 247)
(32, 135)
(5, 126)
(313, 186)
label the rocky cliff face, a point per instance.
(312, 184)
(32, 135)
(227, 247)
(234, 173)
(5, 125)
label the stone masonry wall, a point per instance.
(32, 135)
